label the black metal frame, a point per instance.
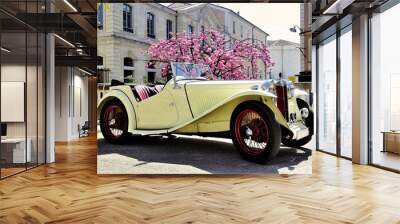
(369, 116)
(338, 98)
(44, 77)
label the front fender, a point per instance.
(301, 94)
(120, 95)
(266, 98)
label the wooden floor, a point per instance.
(70, 191)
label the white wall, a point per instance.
(61, 103)
(12, 73)
(33, 125)
(287, 61)
(71, 95)
(80, 94)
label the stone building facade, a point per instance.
(125, 32)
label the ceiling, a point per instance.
(74, 22)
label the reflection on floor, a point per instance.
(386, 159)
(11, 169)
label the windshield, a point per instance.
(189, 71)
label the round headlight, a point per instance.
(269, 86)
(304, 112)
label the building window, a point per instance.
(151, 72)
(241, 31)
(190, 29)
(128, 70)
(100, 62)
(169, 29)
(234, 27)
(127, 18)
(150, 25)
(202, 29)
(100, 16)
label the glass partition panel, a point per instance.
(41, 110)
(35, 97)
(385, 89)
(346, 93)
(327, 95)
(31, 98)
(22, 66)
(14, 153)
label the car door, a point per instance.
(157, 112)
(181, 101)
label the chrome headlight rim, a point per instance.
(269, 86)
(305, 112)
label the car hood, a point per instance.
(203, 95)
(235, 84)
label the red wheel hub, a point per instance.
(252, 132)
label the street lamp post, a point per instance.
(303, 49)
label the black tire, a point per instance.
(309, 122)
(266, 122)
(121, 118)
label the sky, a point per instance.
(274, 18)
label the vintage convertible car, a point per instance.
(257, 115)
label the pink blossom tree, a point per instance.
(226, 58)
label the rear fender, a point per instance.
(118, 94)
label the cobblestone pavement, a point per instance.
(179, 154)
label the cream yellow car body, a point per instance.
(193, 106)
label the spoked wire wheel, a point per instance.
(252, 132)
(114, 122)
(255, 132)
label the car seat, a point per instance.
(142, 92)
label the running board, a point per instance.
(149, 132)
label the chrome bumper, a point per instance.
(299, 130)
